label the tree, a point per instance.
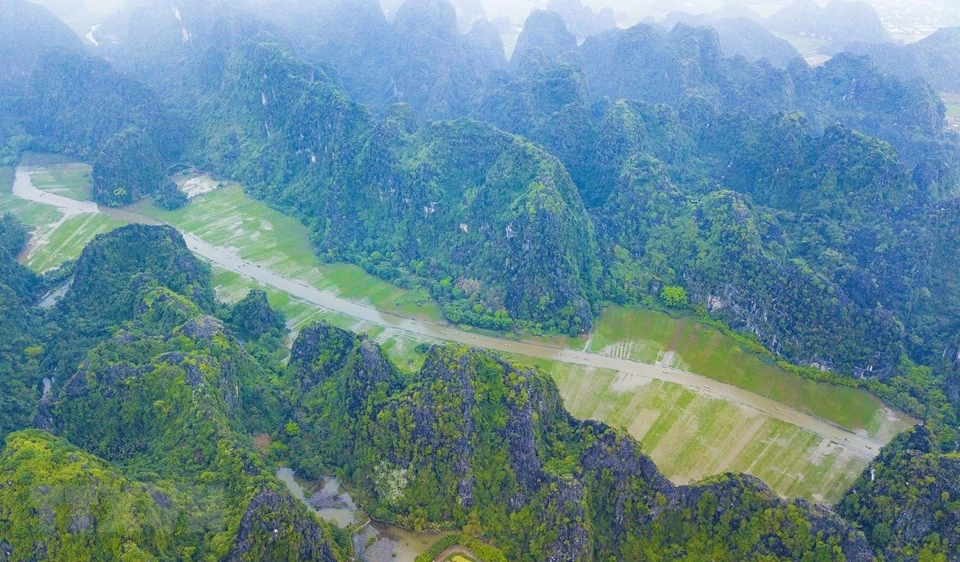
(674, 297)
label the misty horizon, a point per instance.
(906, 20)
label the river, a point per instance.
(634, 372)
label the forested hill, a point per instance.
(153, 400)
(932, 58)
(157, 424)
(800, 205)
(57, 98)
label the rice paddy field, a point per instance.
(60, 175)
(649, 336)
(56, 237)
(257, 233)
(689, 434)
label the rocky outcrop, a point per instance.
(908, 500)
(276, 527)
(320, 351)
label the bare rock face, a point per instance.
(275, 527)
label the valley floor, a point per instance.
(699, 403)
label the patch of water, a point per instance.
(372, 542)
(326, 498)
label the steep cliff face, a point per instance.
(476, 441)
(908, 500)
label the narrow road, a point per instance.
(860, 445)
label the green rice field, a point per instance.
(692, 436)
(55, 238)
(229, 218)
(653, 337)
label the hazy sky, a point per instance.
(917, 17)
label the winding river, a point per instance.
(634, 372)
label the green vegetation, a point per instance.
(65, 504)
(477, 442)
(229, 218)
(692, 436)
(908, 501)
(685, 343)
(674, 297)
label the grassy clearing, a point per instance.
(651, 337)
(68, 240)
(952, 102)
(401, 347)
(691, 436)
(228, 217)
(55, 238)
(71, 180)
